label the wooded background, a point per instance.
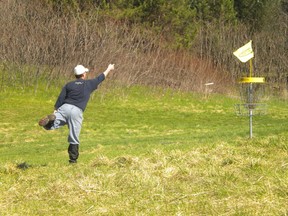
(181, 44)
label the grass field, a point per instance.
(143, 152)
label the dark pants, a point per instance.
(73, 151)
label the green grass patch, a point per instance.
(143, 152)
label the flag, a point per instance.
(245, 52)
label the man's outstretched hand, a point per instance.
(109, 68)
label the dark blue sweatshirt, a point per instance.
(78, 92)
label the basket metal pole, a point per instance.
(251, 122)
(250, 109)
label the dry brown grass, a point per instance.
(222, 180)
(34, 36)
(38, 42)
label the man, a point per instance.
(70, 106)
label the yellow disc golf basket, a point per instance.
(251, 92)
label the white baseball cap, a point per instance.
(80, 69)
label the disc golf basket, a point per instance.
(251, 92)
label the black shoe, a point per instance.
(72, 161)
(47, 120)
(73, 151)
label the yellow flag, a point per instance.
(245, 52)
